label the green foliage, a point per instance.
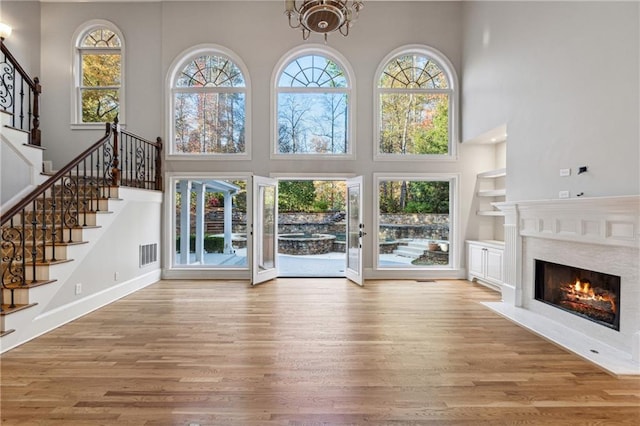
(212, 244)
(320, 206)
(295, 195)
(420, 197)
(435, 140)
(101, 80)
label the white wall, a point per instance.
(140, 24)
(24, 43)
(156, 33)
(134, 221)
(564, 77)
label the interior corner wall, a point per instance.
(564, 77)
(24, 42)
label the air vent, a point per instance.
(148, 254)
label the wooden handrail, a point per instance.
(15, 103)
(55, 178)
(17, 66)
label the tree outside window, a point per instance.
(313, 107)
(100, 52)
(414, 104)
(209, 107)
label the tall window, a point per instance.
(209, 105)
(415, 220)
(314, 106)
(416, 102)
(99, 74)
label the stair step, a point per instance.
(7, 310)
(28, 284)
(5, 332)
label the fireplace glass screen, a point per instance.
(589, 294)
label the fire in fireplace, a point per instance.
(589, 294)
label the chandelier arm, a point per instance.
(290, 25)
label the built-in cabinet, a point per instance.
(485, 247)
(485, 261)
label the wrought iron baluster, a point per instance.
(43, 225)
(34, 251)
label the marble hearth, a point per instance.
(601, 234)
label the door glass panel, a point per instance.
(267, 255)
(353, 258)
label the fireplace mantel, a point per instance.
(601, 233)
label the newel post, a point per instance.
(35, 130)
(159, 164)
(115, 171)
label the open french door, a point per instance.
(264, 230)
(355, 230)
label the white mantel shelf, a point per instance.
(598, 233)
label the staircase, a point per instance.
(73, 225)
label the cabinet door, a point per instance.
(494, 264)
(476, 260)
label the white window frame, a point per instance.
(175, 68)
(76, 74)
(172, 270)
(455, 243)
(440, 59)
(338, 58)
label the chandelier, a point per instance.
(322, 16)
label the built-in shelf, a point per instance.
(501, 192)
(493, 173)
(491, 190)
(490, 213)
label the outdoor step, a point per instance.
(404, 253)
(417, 251)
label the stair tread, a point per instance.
(30, 284)
(6, 310)
(48, 262)
(5, 332)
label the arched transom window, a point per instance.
(313, 107)
(416, 100)
(99, 82)
(209, 99)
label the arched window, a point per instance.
(416, 105)
(209, 103)
(98, 74)
(313, 104)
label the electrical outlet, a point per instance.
(78, 288)
(115, 276)
(565, 172)
(563, 194)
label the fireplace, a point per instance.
(589, 294)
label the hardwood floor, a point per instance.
(305, 352)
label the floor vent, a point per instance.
(148, 254)
(425, 281)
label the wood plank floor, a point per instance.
(305, 352)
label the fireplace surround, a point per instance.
(592, 234)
